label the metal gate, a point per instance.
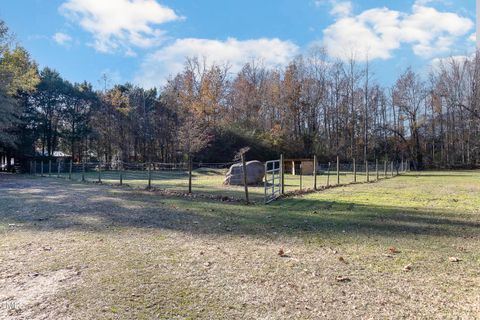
(273, 180)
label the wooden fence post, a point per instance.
(265, 178)
(190, 164)
(31, 167)
(282, 175)
(58, 169)
(273, 178)
(121, 173)
(99, 172)
(354, 171)
(366, 171)
(41, 169)
(35, 167)
(338, 170)
(70, 170)
(83, 170)
(301, 176)
(314, 172)
(244, 167)
(328, 174)
(385, 169)
(50, 167)
(149, 175)
(376, 169)
(391, 164)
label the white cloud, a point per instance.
(62, 38)
(378, 32)
(120, 24)
(338, 7)
(374, 32)
(341, 8)
(169, 60)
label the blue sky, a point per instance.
(143, 41)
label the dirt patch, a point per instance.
(31, 296)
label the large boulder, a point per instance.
(255, 174)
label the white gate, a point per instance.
(273, 180)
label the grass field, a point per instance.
(402, 248)
(210, 181)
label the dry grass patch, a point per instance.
(113, 253)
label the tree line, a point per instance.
(314, 105)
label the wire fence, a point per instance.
(208, 178)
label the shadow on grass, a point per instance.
(49, 204)
(424, 175)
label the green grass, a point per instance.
(122, 253)
(210, 181)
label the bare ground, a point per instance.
(75, 251)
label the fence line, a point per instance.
(346, 173)
(207, 178)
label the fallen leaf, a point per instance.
(341, 259)
(281, 253)
(454, 259)
(407, 268)
(393, 250)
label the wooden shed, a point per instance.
(297, 166)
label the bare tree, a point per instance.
(193, 137)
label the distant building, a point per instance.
(298, 166)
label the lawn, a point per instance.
(401, 248)
(210, 181)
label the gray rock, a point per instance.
(255, 174)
